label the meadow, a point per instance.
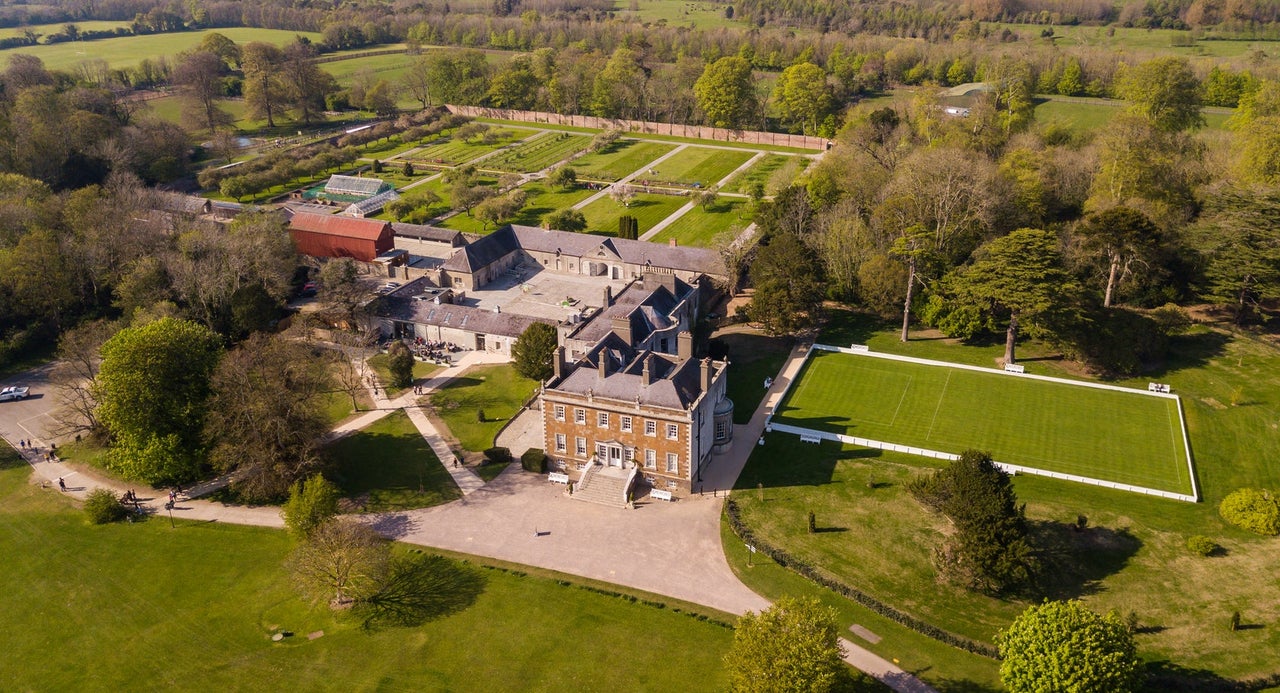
(127, 51)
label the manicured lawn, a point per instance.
(620, 159)
(127, 51)
(124, 606)
(538, 152)
(752, 358)
(1131, 438)
(648, 209)
(498, 390)
(447, 150)
(391, 462)
(706, 228)
(698, 166)
(421, 369)
(543, 199)
(774, 172)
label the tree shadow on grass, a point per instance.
(1167, 676)
(421, 588)
(962, 686)
(784, 461)
(1190, 351)
(1076, 561)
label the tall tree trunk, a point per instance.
(1010, 337)
(1111, 281)
(906, 305)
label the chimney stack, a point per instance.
(684, 345)
(558, 363)
(646, 373)
(622, 327)
(672, 243)
(608, 296)
(604, 364)
(706, 375)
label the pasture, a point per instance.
(128, 51)
(1126, 437)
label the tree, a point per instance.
(727, 94)
(1072, 81)
(706, 198)
(342, 562)
(380, 98)
(570, 220)
(989, 551)
(102, 506)
(200, 77)
(803, 98)
(790, 646)
(76, 374)
(564, 177)
(1164, 92)
(1065, 646)
(1254, 509)
(153, 389)
(264, 92)
(312, 503)
(1018, 279)
(400, 363)
(306, 85)
(1124, 237)
(417, 80)
(788, 286)
(1239, 238)
(1147, 168)
(266, 418)
(1257, 149)
(618, 91)
(341, 287)
(534, 351)
(516, 85)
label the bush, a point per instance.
(1254, 509)
(400, 363)
(534, 460)
(497, 455)
(1201, 546)
(103, 507)
(311, 503)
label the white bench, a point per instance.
(859, 347)
(1159, 387)
(558, 478)
(1014, 368)
(660, 494)
(810, 439)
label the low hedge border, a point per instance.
(809, 572)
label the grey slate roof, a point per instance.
(428, 233)
(674, 384)
(403, 307)
(647, 310)
(484, 252)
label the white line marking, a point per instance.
(941, 395)
(905, 390)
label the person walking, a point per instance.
(62, 485)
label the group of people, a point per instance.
(50, 455)
(436, 352)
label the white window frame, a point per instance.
(561, 443)
(651, 427)
(650, 459)
(626, 424)
(579, 415)
(559, 412)
(673, 463)
(602, 419)
(673, 431)
(580, 446)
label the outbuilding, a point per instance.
(320, 235)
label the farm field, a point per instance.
(1134, 40)
(697, 167)
(127, 51)
(620, 159)
(1130, 438)
(648, 209)
(706, 227)
(538, 152)
(773, 171)
(100, 608)
(46, 29)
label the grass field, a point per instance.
(143, 606)
(538, 152)
(1134, 40)
(705, 228)
(1115, 436)
(698, 166)
(773, 171)
(620, 159)
(379, 363)
(388, 466)
(543, 200)
(1090, 115)
(128, 51)
(447, 150)
(47, 29)
(752, 358)
(498, 390)
(648, 209)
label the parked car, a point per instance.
(308, 290)
(14, 393)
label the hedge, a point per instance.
(795, 565)
(498, 455)
(534, 460)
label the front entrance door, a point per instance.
(479, 342)
(615, 456)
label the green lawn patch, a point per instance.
(421, 370)
(697, 167)
(648, 209)
(498, 390)
(1127, 437)
(618, 160)
(450, 151)
(773, 171)
(538, 152)
(128, 51)
(706, 228)
(490, 470)
(107, 607)
(543, 199)
(752, 358)
(391, 462)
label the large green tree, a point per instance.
(790, 646)
(534, 351)
(726, 93)
(788, 285)
(804, 98)
(1238, 235)
(312, 502)
(1017, 283)
(153, 389)
(1126, 239)
(1165, 92)
(264, 92)
(1065, 646)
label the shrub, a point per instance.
(1201, 546)
(497, 455)
(103, 507)
(480, 416)
(400, 363)
(311, 503)
(534, 460)
(1254, 509)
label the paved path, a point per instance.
(688, 207)
(623, 181)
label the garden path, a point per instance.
(628, 178)
(658, 227)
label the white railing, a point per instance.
(586, 471)
(631, 477)
(1010, 468)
